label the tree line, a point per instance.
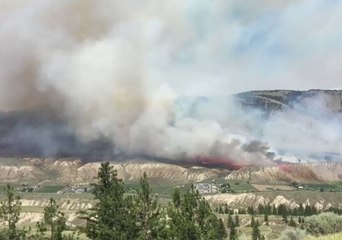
(120, 216)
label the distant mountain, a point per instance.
(278, 100)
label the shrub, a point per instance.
(324, 223)
(292, 234)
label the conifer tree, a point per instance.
(256, 232)
(233, 233)
(192, 218)
(113, 216)
(230, 222)
(151, 220)
(226, 210)
(53, 221)
(266, 219)
(10, 214)
(252, 221)
(237, 220)
(222, 233)
(292, 223)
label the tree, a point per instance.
(266, 219)
(233, 233)
(150, 214)
(256, 232)
(53, 220)
(261, 209)
(230, 222)
(252, 221)
(222, 233)
(226, 210)
(192, 218)
(10, 214)
(250, 211)
(237, 221)
(292, 223)
(232, 227)
(113, 216)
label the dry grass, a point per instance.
(336, 236)
(262, 187)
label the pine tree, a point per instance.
(222, 233)
(150, 218)
(233, 233)
(299, 220)
(242, 211)
(237, 221)
(266, 219)
(230, 222)
(292, 223)
(232, 226)
(10, 214)
(226, 210)
(252, 221)
(192, 218)
(113, 216)
(53, 220)
(301, 209)
(256, 232)
(250, 211)
(261, 209)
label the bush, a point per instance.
(292, 234)
(244, 237)
(324, 223)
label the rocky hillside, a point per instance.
(73, 171)
(279, 100)
(64, 171)
(291, 200)
(306, 172)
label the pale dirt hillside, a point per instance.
(73, 171)
(32, 209)
(308, 172)
(68, 171)
(290, 199)
(132, 171)
(247, 199)
(64, 204)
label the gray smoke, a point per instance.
(115, 70)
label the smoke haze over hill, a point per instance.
(122, 71)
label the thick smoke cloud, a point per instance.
(116, 70)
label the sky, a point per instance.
(197, 47)
(248, 45)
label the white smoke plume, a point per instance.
(116, 69)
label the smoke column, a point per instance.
(116, 70)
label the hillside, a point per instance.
(280, 100)
(68, 170)
(305, 172)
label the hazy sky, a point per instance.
(197, 47)
(234, 46)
